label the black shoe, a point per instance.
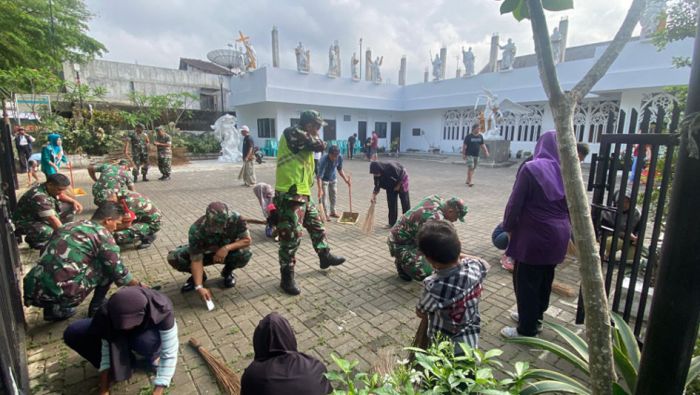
(161, 178)
(229, 280)
(189, 284)
(328, 260)
(288, 284)
(166, 178)
(55, 313)
(146, 242)
(145, 179)
(136, 179)
(404, 276)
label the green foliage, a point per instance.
(626, 356)
(519, 9)
(435, 371)
(96, 136)
(204, 143)
(28, 37)
(153, 110)
(28, 80)
(681, 22)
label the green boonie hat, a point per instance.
(459, 205)
(216, 216)
(311, 116)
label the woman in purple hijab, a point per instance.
(537, 220)
(278, 368)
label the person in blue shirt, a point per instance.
(326, 178)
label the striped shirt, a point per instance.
(451, 300)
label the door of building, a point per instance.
(362, 131)
(329, 130)
(395, 140)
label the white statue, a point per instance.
(334, 60)
(303, 56)
(376, 71)
(355, 66)
(251, 59)
(437, 67)
(555, 39)
(493, 113)
(651, 17)
(468, 60)
(508, 55)
(230, 138)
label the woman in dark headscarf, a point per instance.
(278, 368)
(394, 178)
(537, 220)
(135, 319)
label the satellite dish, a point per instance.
(230, 58)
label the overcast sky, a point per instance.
(159, 32)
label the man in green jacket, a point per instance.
(295, 176)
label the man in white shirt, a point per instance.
(23, 142)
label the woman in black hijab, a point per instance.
(278, 368)
(394, 178)
(135, 319)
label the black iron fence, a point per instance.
(630, 179)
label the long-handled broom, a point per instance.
(421, 340)
(228, 380)
(368, 224)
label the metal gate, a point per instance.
(630, 178)
(13, 361)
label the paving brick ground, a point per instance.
(355, 310)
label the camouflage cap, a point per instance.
(159, 128)
(458, 204)
(311, 116)
(139, 126)
(123, 162)
(216, 217)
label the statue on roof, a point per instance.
(652, 17)
(334, 60)
(555, 39)
(355, 66)
(468, 60)
(251, 60)
(437, 67)
(303, 58)
(376, 71)
(508, 56)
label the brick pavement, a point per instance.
(356, 310)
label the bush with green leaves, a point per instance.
(204, 143)
(436, 370)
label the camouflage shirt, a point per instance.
(298, 139)
(143, 207)
(165, 152)
(113, 178)
(79, 256)
(203, 239)
(35, 206)
(406, 229)
(138, 142)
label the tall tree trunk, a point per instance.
(563, 105)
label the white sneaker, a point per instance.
(509, 332)
(514, 316)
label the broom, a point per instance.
(228, 380)
(368, 224)
(421, 340)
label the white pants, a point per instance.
(330, 190)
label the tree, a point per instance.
(563, 105)
(680, 23)
(45, 33)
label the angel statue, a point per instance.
(230, 138)
(437, 68)
(493, 113)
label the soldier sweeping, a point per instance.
(113, 179)
(403, 245)
(295, 176)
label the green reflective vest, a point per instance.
(294, 169)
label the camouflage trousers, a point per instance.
(179, 259)
(409, 260)
(38, 233)
(292, 217)
(164, 164)
(140, 160)
(41, 290)
(138, 231)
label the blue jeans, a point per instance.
(145, 343)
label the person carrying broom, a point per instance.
(294, 178)
(327, 180)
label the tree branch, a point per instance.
(543, 47)
(602, 65)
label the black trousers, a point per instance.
(391, 197)
(533, 286)
(23, 153)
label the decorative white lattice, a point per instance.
(654, 101)
(591, 119)
(458, 123)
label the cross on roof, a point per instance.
(243, 38)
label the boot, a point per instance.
(55, 313)
(146, 242)
(189, 284)
(144, 178)
(328, 259)
(229, 277)
(287, 284)
(402, 274)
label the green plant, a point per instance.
(626, 357)
(436, 370)
(204, 143)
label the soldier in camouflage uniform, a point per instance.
(294, 178)
(220, 236)
(410, 263)
(80, 257)
(113, 179)
(43, 209)
(165, 152)
(139, 151)
(145, 224)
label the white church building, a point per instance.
(436, 115)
